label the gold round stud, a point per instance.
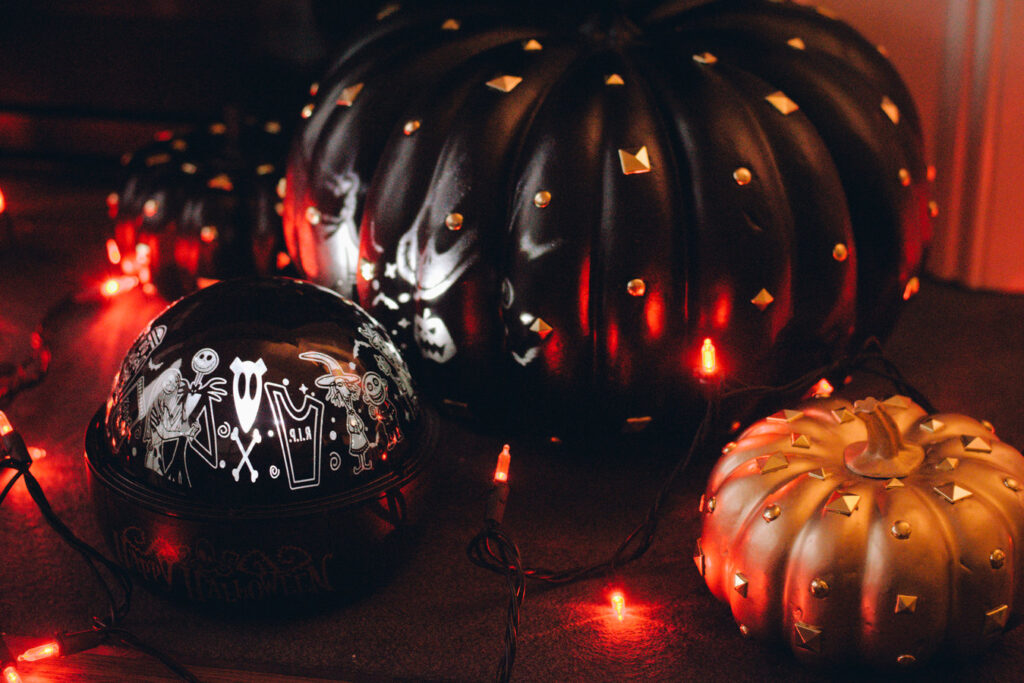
(282, 187)
(636, 287)
(744, 630)
(900, 529)
(454, 221)
(150, 208)
(771, 513)
(904, 177)
(933, 209)
(1011, 484)
(411, 126)
(840, 252)
(820, 588)
(997, 559)
(307, 111)
(542, 199)
(906, 660)
(711, 504)
(742, 175)
(988, 425)
(313, 215)
(189, 168)
(728, 448)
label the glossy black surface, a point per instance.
(425, 137)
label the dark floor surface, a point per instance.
(440, 618)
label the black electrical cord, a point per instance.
(494, 550)
(118, 592)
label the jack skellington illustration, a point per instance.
(375, 395)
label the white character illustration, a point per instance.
(343, 391)
(375, 395)
(391, 364)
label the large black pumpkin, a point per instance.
(201, 207)
(562, 218)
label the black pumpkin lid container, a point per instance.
(263, 440)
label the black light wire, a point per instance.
(494, 549)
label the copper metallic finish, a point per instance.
(705, 58)
(997, 558)
(453, 221)
(614, 79)
(411, 126)
(532, 45)
(796, 43)
(891, 110)
(900, 529)
(740, 584)
(763, 299)
(780, 101)
(349, 95)
(634, 161)
(542, 199)
(742, 176)
(873, 544)
(506, 83)
(840, 252)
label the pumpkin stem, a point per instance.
(884, 455)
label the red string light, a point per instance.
(504, 458)
(619, 604)
(113, 253)
(3, 207)
(708, 357)
(11, 675)
(5, 424)
(44, 651)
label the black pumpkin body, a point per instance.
(202, 207)
(559, 219)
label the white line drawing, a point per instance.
(528, 357)
(256, 438)
(247, 401)
(383, 413)
(341, 234)
(390, 362)
(335, 461)
(343, 391)
(433, 272)
(388, 301)
(204, 362)
(298, 425)
(433, 337)
(274, 472)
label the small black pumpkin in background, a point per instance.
(201, 207)
(562, 220)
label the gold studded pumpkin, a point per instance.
(559, 211)
(866, 533)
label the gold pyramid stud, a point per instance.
(796, 43)
(894, 483)
(740, 583)
(504, 83)
(952, 492)
(807, 637)
(763, 299)
(451, 25)
(634, 161)
(932, 425)
(411, 126)
(819, 473)
(614, 79)
(179, 145)
(221, 182)
(349, 95)
(786, 416)
(799, 440)
(947, 464)
(532, 45)
(975, 444)
(543, 330)
(157, 159)
(264, 169)
(843, 503)
(844, 415)
(905, 604)
(897, 401)
(891, 110)
(995, 619)
(779, 100)
(773, 462)
(912, 288)
(705, 58)
(698, 559)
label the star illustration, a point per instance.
(391, 270)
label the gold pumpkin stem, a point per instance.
(884, 455)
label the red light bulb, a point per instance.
(113, 253)
(3, 207)
(708, 357)
(5, 424)
(11, 675)
(504, 458)
(45, 651)
(822, 389)
(619, 604)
